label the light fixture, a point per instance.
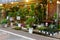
(58, 2)
(1, 4)
(12, 2)
(26, 0)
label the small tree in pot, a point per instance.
(4, 22)
(30, 21)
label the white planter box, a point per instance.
(11, 19)
(24, 28)
(19, 25)
(54, 34)
(43, 32)
(42, 24)
(51, 35)
(7, 17)
(55, 20)
(11, 24)
(18, 17)
(39, 31)
(47, 33)
(59, 31)
(38, 26)
(30, 30)
(5, 25)
(46, 24)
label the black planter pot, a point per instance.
(34, 27)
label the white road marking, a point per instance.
(17, 34)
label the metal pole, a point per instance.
(57, 14)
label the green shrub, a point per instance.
(17, 28)
(4, 21)
(28, 26)
(30, 20)
(59, 26)
(55, 15)
(42, 28)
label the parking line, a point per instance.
(17, 34)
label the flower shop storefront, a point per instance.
(30, 15)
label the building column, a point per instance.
(52, 8)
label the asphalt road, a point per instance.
(10, 34)
(5, 35)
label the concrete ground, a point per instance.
(11, 34)
(7, 36)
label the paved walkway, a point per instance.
(25, 35)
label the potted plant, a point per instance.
(17, 28)
(55, 17)
(30, 21)
(18, 13)
(41, 29)
(20, 16)
(10, 14)
(52, 29)
(32, 14)
(59, 28)
(4, 22)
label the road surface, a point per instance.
(7, 35)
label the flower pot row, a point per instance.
(11, 18)
(51, 30)
(41, 29)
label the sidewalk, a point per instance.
(34, 36)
